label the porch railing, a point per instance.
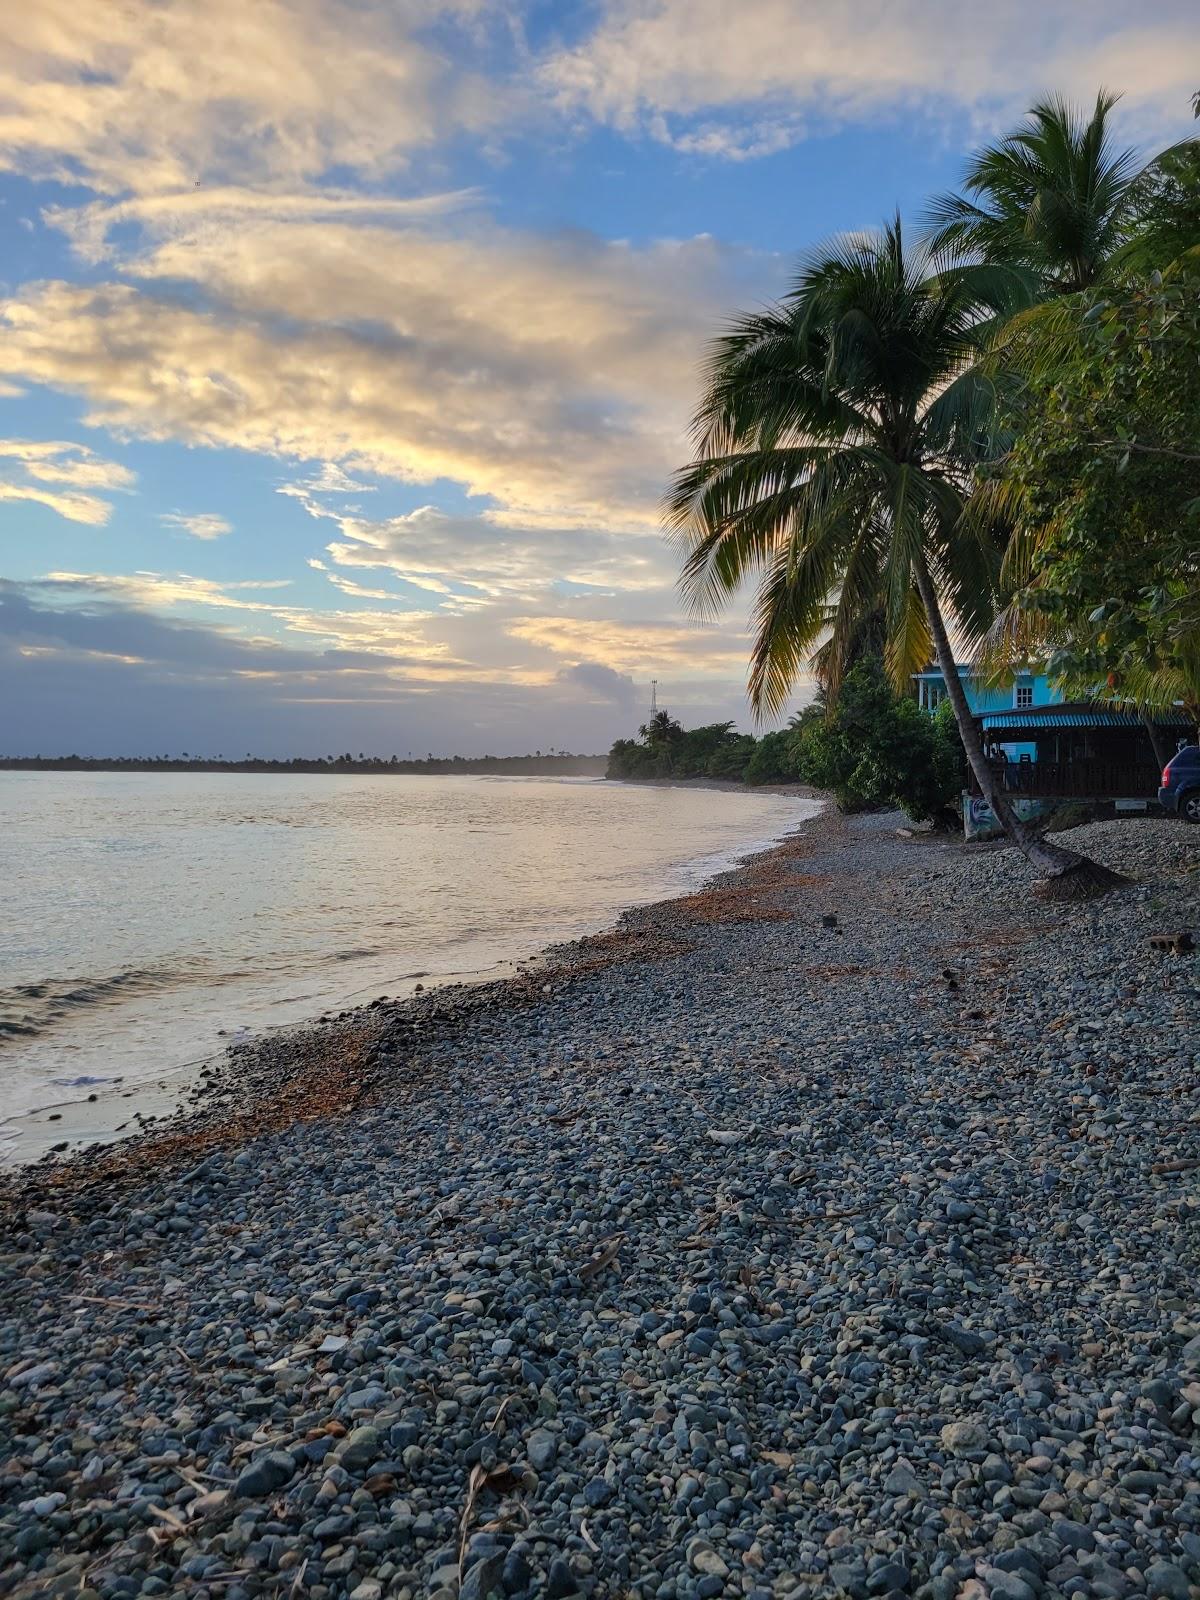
(1077, 780)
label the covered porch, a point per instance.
(1077, 751)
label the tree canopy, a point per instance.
(1102, 488)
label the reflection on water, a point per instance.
(151, 916)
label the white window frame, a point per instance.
(1022, 697)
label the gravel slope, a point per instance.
(731, 1254)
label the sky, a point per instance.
(348, 346)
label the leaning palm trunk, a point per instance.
(1162, 751)
(1065, 875)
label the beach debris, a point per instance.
(120, 1305)
(829, 920)
(172, 1518)
(1179, 943)
(500, 1479)
(729, 1135)
(607, 1256)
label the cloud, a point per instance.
(397, 633)
(104, 677)
(601, 682)
(85, 508)
(199, 524)
(740, 81)
(170, 106)
(636, 647)
(63, 461)
(90, 226)
(558, 641)
(108, 622)
(100, 676)
(357, 590)
(552, 376)
(465, 557)
(70, 469)
(329, 480)
(160, 95)
(92, 672)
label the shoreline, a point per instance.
(157, 1104)
(725, 1253)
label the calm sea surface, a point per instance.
(148, 919)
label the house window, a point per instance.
(935, 694)
(1023, 696)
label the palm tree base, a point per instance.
(1082, 880)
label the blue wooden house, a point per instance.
(1044, 749)
(1028, 689)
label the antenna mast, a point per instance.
(653, 697)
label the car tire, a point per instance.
(1189, 806)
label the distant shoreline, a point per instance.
(565, 766)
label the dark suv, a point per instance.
(1180, 791)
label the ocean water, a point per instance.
(151, 919)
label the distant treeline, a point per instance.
(560, 764)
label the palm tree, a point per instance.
(661, 729)
(1055, 201)
(832, 456)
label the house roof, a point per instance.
(1077, 714)
(965, 670)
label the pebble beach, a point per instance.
(832, 1231)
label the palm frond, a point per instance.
(789, 611)
(1056, 197)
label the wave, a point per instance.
(28, 1009)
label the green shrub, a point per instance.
(666, 750)
(876, 750)
(732, 757)
(629, 759)
(774, 759)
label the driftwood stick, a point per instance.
(121, 1305)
